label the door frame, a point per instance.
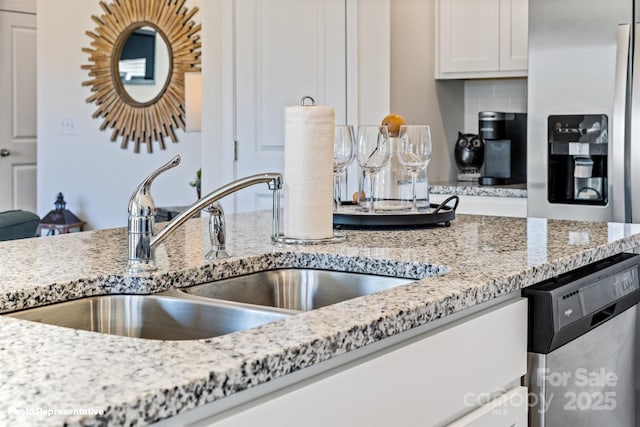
(21, 6)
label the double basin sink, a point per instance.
(214, 308)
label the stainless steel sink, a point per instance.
(295, 289)
(150, 316)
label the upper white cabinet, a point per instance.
(514, 35)
(481, 38)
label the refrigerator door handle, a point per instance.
(619, 131)
(632, 149)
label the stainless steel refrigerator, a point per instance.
(583, 150)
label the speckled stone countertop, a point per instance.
(470, 188)
(137, 381)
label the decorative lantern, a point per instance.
(60, 219)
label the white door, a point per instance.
(285, 49)
(17, 111)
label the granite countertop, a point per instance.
(472, 188)
(48, 371)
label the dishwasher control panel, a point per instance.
(566, 306)
(593, 297)
(625, 283)
(569, 308)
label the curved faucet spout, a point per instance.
(214, 196)
(142, 237)
(142, 217)
(141, 202)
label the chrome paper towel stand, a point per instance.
(278, 237)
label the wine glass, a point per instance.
(414, 153)
(373, 153)
(344, 151)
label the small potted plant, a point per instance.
(197, 182)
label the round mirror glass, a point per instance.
(144, 64)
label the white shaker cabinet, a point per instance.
(506, 410)
(481, 38)
(514, 36)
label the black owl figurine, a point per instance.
(469, 154)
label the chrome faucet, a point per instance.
(142, 210)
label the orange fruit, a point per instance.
(393, 123)
(356, 197)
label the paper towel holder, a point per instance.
(304, 99)
(277, 237)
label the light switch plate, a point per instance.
(67, 126)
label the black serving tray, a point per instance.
(441, 214)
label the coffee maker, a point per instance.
(578, 146)
(505, 147)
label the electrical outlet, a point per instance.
(67, 126)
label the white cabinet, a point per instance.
(481, 38)
(514, 35)
(487, 205)
(436, 377)
(506, 410)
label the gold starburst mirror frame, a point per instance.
(131, 119)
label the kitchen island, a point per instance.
(120, 380)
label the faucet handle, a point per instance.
(141, 223)
(217, 232)
(141, 202)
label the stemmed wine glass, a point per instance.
(414, 153)
(373, 154)
(344, 151)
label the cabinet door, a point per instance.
(514, 35)
(506, 410)
(425, 382)
(468, 35)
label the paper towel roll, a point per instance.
(308, 172)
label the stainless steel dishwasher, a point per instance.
(582, 332)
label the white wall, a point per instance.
(508, 95)
(415, 94)
(96, 176)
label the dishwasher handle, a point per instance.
(603, 315)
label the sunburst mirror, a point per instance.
(139, 53)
